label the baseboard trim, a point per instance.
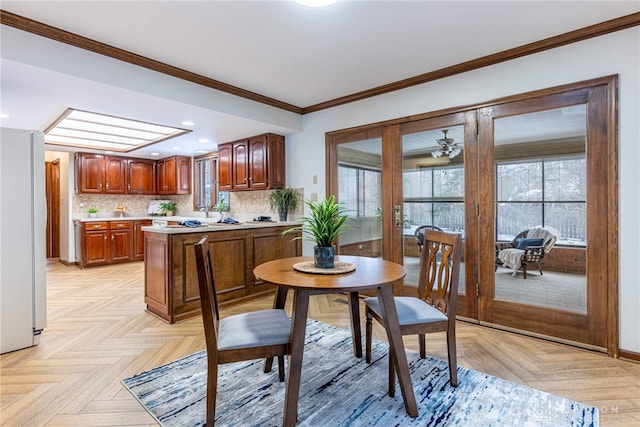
(630, 355)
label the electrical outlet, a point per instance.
(314, 197)
(315, 179)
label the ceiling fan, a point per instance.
(447, 147)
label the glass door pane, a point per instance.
(541, 180)
(433, 190)
(360, 191)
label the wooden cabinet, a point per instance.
(121, 236)
(103, 242)
(99, 174)
(171, 283)
(95, 243)
(174, 175)
(225, 167)
(256, 163)
(96, 173)
(138, 239)
(141, 176)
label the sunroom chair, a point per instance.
(419, 233)
(247, 336)
(434, 309)
(526, 249)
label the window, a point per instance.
(549, 192)
(435, 196)
(360, 190)
(204, 194)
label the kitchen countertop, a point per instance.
(212, 225)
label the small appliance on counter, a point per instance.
(154, 207)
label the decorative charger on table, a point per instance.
(339, 267)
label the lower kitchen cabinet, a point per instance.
(138, 239)
(171, 281)
(103, 242)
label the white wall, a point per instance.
(617, 53)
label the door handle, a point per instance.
(397, 216)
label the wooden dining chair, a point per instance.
(247, 336)
(434, 309)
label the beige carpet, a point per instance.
(561, 291)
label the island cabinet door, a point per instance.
(156, 275)
(271, 245)
(229, 252)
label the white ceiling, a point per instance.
(278, 49)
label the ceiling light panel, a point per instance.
(84, 129)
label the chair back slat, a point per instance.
(208, 298)
(440, 270)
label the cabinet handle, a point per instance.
(112, 238)
(105, 237)
(107, 185)
(129, 187)
(96, 226)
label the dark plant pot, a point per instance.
(282, 212)
(323, 256)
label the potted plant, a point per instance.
(327, 220)
(220, 206)
(93, 212)
(169, 208)
(284, 200)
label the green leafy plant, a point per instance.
(221, 205)
(284, 198)
(93, 209)
(169, 206)
(327, 220)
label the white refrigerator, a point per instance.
(23, 216)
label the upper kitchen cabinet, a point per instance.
(141, 176)
(96, 173)
(256, 163)
(174, 175)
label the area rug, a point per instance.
(338, 389)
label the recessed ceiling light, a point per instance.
(4, 116)
(188, 123)
(201, 151)
(154, 154)
(83, 129)
(176, 148)
(109, 152)
(204, 140)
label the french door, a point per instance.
(546, 158)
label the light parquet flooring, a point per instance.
(98, 333)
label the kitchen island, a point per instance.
(170, 276)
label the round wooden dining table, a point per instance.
(369, 274)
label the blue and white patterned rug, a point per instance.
(338, 389)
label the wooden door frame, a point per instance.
(52, 188)
(603, 127)
(598, 328)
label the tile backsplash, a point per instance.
(241, 203)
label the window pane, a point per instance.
(565, 179)
(449, 216)
(519, 181)
(348, 193)
(416, 183)
(448, 182)
(372, 192)
(570, 219)
(515, 217)
(418, 213)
